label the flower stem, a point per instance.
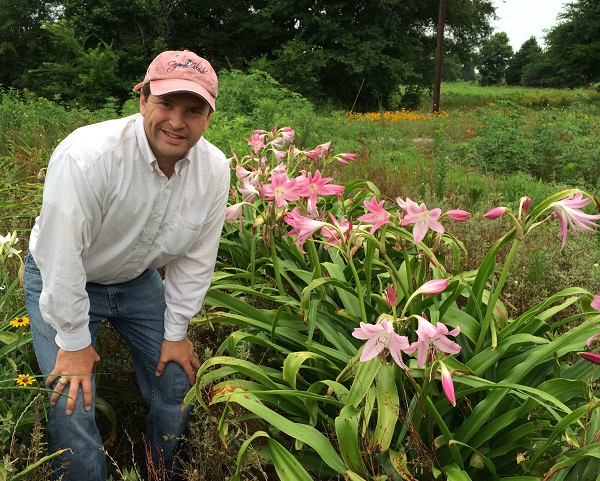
(275, 260)
(313, 255)
(359, 291)
(392, 267)
(487, 320)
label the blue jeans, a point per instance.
(136, 311)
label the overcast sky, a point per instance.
(521, 19)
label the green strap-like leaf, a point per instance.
(454, 473)
(364, 378)
(293, 363)
(242, 453)
(346, 429)
(387, 407)
(306, 434)
(286, 465)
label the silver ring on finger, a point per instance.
(63, 380)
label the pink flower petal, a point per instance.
(591, 339)
(396, 345)
(596, 303)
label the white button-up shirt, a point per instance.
(109, 213)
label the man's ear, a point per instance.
(142, 104)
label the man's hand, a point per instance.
(73, 368)
(183, 353)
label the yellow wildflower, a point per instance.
(19, 322)
(25, 380)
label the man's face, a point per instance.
(173, 124)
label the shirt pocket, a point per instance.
(179, 234)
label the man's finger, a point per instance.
(86, 386)
(72, 399)
(160, 367)
(191, 373)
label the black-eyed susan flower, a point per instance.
(19, 322)
(25, 380)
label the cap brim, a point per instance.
(170, 86)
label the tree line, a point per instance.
(353, 53)
(571, 58)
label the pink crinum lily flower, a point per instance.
(234, 213)
(524, 204)
(248, 190)
(331, 232)
(431, 338)
(381, 336)
(377, 216)
(591, 356)
(302, 227)
(571, 217)
(345, 158)
(257, 140)
(421, 218)
(319, 152)
(287, 134)
(311, 185)
(281, 189)
(390, 296)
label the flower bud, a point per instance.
(432, 287)
(458, 215)
(495, 212)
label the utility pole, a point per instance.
(437, 81)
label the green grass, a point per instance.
(466, 95)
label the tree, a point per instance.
(574, 45)
(529, 51)
(137, 30)
(537, 73)
(74, 74)
(352, 52)
(22, 39)
(495, 54)
(338, 49)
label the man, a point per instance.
(121, 199)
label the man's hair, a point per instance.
(146, 90)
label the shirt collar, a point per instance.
(143, 143)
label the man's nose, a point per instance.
(176, 119)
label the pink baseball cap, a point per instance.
(181, 71)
